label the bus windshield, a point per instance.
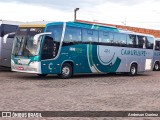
(23, 42)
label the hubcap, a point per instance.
(133, 70)
(65, 71)
(156, 66)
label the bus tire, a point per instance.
(156, 66)
(42, 75)
(66, 71)
(133, 70)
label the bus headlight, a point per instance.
(33, 66)
(12, 64)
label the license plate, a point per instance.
(20, 68)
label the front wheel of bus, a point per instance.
(66, 71)
(133, 70)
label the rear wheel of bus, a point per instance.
(133, 70)
(66, 71)
(156, 66)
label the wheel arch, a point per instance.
(156, 62)
(68, 61)
(135, 63)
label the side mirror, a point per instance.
(38, 36)
(6, 36)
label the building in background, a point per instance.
(153, 32)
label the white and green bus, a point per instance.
(68, 48)
(156, 57)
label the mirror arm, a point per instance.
(36, 37)
(6, 36)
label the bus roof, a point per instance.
(82, 25)
(35, 24)
(87, 25)
(10, 22)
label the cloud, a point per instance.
(131, 2)
(68, 5)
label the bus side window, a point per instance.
(104, 37)
(120, 39)
(157, 45)
(116, 39)
(141, 41)
(95, 36)
(89, 35)
(149, 43)
(131, 41)
(111, 37)
(72, 34)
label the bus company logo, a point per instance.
(6, 114)
(50, 66)
(133, 52)
(72, 49)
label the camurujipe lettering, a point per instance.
(133, 52)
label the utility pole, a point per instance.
(75, 13)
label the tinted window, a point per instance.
(105, 37)
(48, 48)
(157, 45)
(52, 42)
(8, 29)
(72, 34)
(141, 41)
(56, 32)
(119, 39)
(89, 35)
(131, 41)
(149, 42)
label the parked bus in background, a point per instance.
(7, 31)
(156, 57)
(68, 48)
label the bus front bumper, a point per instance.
(34, 67)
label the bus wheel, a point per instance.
(133, 70)
(156, 66)
(66, 71)
(42, 75)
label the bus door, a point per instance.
(49, 52)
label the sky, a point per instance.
(138, 13)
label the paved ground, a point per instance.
(28, 92)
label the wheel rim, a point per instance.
(133, 70)
(66, 71)
(156, 66)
